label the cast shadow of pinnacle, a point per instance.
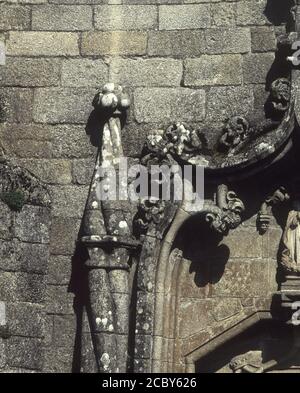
(278, 11)
(78, 285)
(95, 125)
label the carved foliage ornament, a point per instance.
(178, 142)
(226, 215)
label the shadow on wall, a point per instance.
(200, 245)
(278, 11)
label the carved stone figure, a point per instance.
(265, 213)
(290, 259)
(250, 362)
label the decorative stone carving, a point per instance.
(290, 258)
(235, 131)
(150, 211)
(238, 131)
(250, 362)
(280, 94)
(109, 241)
(227, 214)
(178, 143)
(265, 214)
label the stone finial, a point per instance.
(111, 99)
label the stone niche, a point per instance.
(24, 253)
(217, 300)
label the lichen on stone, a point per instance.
(14, 199)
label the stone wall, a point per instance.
(199, 61)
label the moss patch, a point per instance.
(14, 199)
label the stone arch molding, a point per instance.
(132, 262)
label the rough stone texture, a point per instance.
(63, 18)
(24, 252)
(163, 105)
(191, 17)
(213, 70)
(151, 72)
(182, 60)
(127, 17)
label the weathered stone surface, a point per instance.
(191, 17)
(61, 105)
(213, 70)
(59, 271)
(177, 43)
(16, 105)
(82, 171)
(44, 43)
(150, 72)
(59, 300)
(152, 105)
(114, 43)
(223, 14)
(237, 40)
(26, 257)
(22, 287)
(5, 221)
(76, 146)
(243, 279)
(263, 39)
(64, 232)
(257, 66)
(50, 171)
(84, 73)
(135, 17)
(26, 319)
(195, 315)
(65, 18)
(244, 244)
(30, 72)
(64, 329)
(58, 360)
(251, 12)
(224, 102)
(69, 201)
(25, 352)
(32, 224)
(14, 17)
(2, 353)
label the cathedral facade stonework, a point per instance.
(95, 284)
